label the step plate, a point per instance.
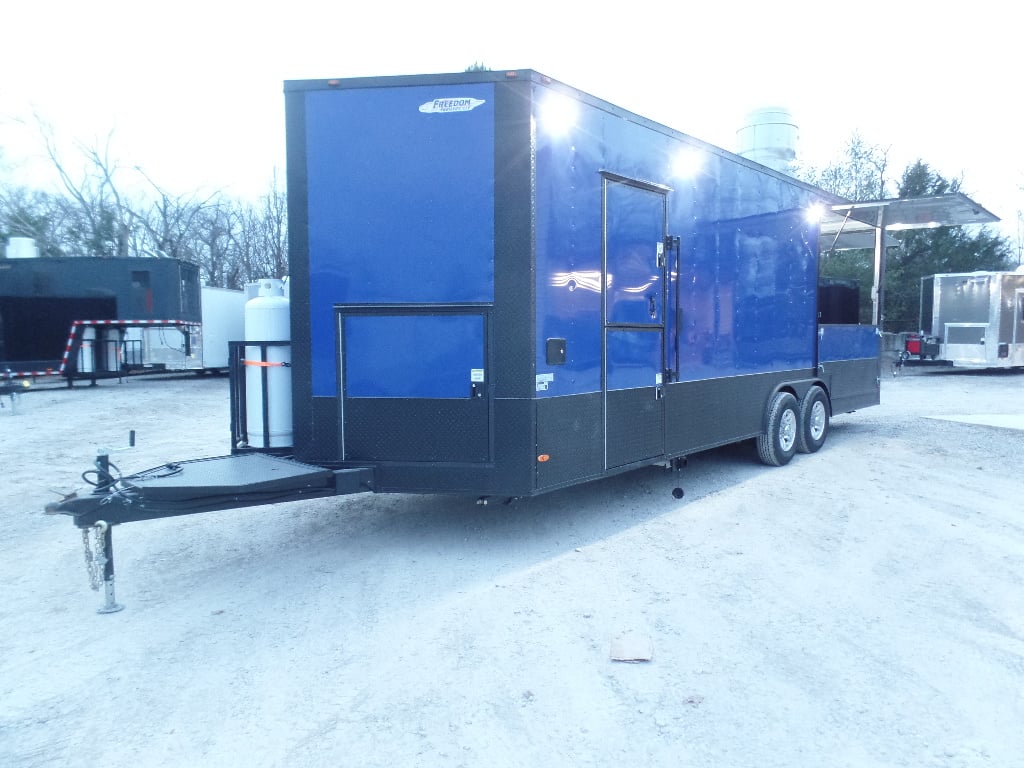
(252, 473)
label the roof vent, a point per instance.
(769, 137)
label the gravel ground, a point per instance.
(863, 606)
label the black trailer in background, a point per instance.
(47, 305)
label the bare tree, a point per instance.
(260, 236)
(102, 221)
(232, 242)
(860, 174)
(274, 231)
(248, 245)
(212, 243)
(170, 221)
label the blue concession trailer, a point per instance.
(502, 286)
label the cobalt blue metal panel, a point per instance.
(768, 306)
(847, 342)
(748, 283)
(401, 202)
(568, 260)
(413, 355)
(634, 358)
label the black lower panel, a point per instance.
(853, 384)
(316, 431)
(447, 478)
(636, 428)
(570, 438)
(537, 444)
(512, 473)
(414, 429)
(713, 412)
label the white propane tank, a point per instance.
(111, 349)
(86, 352)
(268, 318)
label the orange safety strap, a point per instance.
(261, 364)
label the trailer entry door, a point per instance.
(634, 320)
(414, 384)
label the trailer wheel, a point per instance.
(777, 444)
(813, 421)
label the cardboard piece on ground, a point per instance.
(632, 647)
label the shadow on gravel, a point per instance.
(521, 531)
(418, 534)
(966, 372)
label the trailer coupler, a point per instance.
(191, 487)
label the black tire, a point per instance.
(777, 444)
(814, 421)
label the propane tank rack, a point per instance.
(239, 367)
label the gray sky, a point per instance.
(193, 90)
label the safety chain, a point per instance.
(95, 562)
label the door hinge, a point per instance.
(671, 244)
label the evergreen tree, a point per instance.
(859, 175)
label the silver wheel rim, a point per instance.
(787, 430)
(817, 421)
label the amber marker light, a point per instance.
(543, 457)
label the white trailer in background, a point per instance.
(972, 319)
(223, 321)
(204, 348)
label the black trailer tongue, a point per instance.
(190, 487)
